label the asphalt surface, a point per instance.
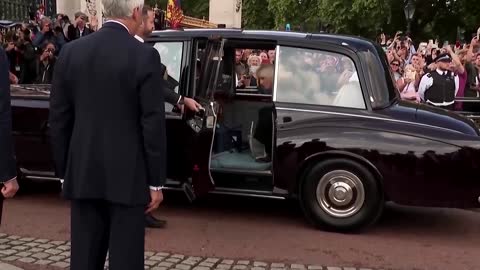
(275, 231)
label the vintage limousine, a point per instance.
(342, 142)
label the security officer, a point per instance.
(439, 87)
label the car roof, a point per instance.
(355, 43)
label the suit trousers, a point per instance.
(98, 226)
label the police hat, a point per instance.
(444, 57)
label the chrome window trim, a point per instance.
(275, 79)
(368, 117)
(252, 95)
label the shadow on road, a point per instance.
(396, 220)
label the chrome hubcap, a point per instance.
(340, 193)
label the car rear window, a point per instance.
(317, 77)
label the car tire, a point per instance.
(340, 195)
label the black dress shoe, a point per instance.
(152, 222)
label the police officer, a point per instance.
(439, 87)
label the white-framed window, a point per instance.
(171, 55)
(316, 77)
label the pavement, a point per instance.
(6, 266)
(259, 230)
(44, 252)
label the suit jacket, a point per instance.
(169, 91)
(74, 32)
(7, 157)
(107, 118)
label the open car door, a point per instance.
(203, 123)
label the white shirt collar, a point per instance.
(122, 24)
(139, 39)
(441, 72)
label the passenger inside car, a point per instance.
(243, 138)
(264, 129)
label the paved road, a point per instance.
(275, 231)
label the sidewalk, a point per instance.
(4, 266)
(34, 254)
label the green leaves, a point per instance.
(256, 15)
(368, 18)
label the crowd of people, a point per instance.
(435, 74)
(32, 47)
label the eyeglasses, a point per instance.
(395, 64)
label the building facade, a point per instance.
(226, 12)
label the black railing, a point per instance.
(22, 10)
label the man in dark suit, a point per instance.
(79, 29)
(144, 31)
(8, 171)
(107, 121)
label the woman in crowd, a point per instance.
(46, 64)
(395, 66)
(408, 84)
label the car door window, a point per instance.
(317, 77)
(171, 56)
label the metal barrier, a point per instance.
(21, 10)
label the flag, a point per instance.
(170, 6)
(174, 13)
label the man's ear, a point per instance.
(136, 13)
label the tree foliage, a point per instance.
(255, 15)
(433, 19)
(301, 15)
(358, 17)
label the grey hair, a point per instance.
(44, 21)
(116, 9)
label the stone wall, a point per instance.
(228, 12)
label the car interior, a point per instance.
(245, 110)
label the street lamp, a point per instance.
(409, 10)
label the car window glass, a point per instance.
(318, 78)
(247, 63)
(171, 56)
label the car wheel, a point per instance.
(340, 195)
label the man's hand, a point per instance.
(13, 79)
(10, 46)
(44, 55)
(93, 23)
(156, 199)
(474, 41)
(449, 49)
(10, 188)
(191, 104)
